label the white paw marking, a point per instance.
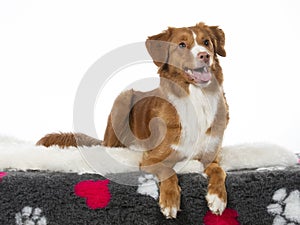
(169, 212)
(287, 207)
(148, 185)
(30, 216)
(215, 204)
(204, 175)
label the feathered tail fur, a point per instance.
(64, 140)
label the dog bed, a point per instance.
(52, 186)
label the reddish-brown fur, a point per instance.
(133, 111)
(64, 140)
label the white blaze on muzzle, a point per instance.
(201, 72)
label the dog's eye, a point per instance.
(206, 42)
(182, 45)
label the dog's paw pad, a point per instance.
(30, 216)
(148, 185)
(215, 204)
(285, 207)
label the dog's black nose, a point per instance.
(204, 57)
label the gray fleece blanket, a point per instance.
(260, 197)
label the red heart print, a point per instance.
(2, 174)
(229, 217)
(96, 193)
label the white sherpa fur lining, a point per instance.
(20, 155)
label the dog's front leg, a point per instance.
(216, 192)
(169, 199)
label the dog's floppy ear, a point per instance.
(218, 39)
(158, 46)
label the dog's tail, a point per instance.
(64, 140)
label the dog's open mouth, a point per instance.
(200, 75)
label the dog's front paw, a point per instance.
(169, 199)
(169, 212)
(216, 192)
(216, 204)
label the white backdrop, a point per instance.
(47, 46)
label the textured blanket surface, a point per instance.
(56, 198)
(51, 186)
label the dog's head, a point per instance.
(190, 52)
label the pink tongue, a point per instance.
(204, 76)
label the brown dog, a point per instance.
(184, 118)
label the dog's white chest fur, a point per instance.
(196, 112)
